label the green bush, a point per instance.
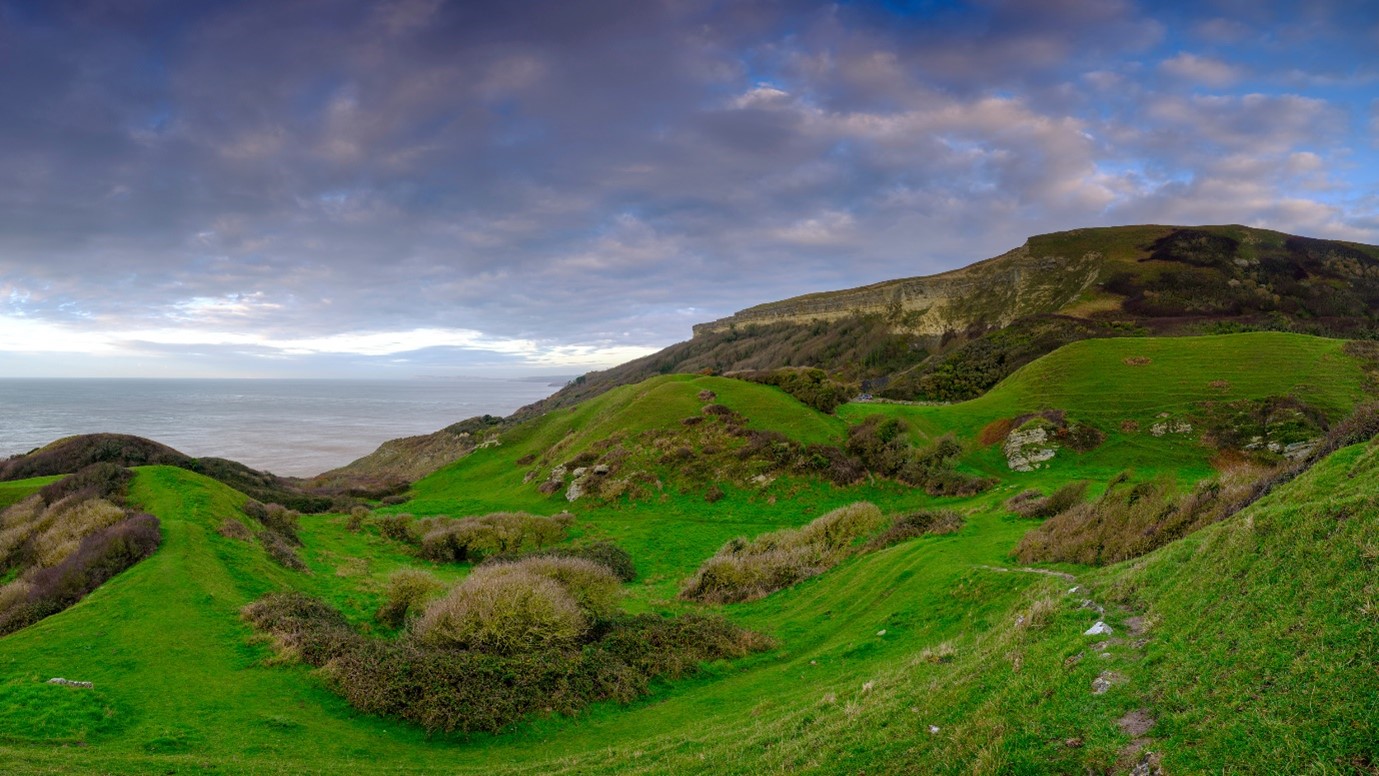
(471, 539)
(399, 528)
(593, 586)
(408, 591)
(446, 689)
(504, 614)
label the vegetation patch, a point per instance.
(747, 569)
(471, 539)
(539, 636)
(608, 554)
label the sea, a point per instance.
(289, 427)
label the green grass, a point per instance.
(1259, 653)
(18, 490)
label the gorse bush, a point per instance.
(610, 555)
(446, 689)
(746, 569)
(99, 556)
(399, 528)
(533, 604)
(1034, 504)
(914, 524)
(408, 592)
(471, 539)
(279, 535)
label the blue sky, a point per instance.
(329, 188)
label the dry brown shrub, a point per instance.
(1137, 360)
(995, 431)
(231, 528)
(744, 569)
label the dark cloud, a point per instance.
(338, 186)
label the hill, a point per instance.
(935, 655)
(954, 335)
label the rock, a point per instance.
(1100, 629)
(579, 472)
(1028, 450)
(1300, 450)
(575, 491)
(558, 473)
(601, 469)
(1106, 681)
(933, 730)
(881, 632)
(762, 480)
(70, 683)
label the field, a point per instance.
(1251, 642)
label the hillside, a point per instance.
(935, 654)
(952, 336)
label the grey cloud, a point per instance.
(604, 174)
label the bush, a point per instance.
(99, 556)
(909, 526)
(613, 557)
(1035, 505)
(743, 570)
(504, 614)
(398, 528)
(444, 689)
(302, 626)
(714, 494)
(408, 591)
(99, 480)
(471, 539)
(593, 586)
(231, 528)
(355, 521)
(280, 550)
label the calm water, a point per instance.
(289, 427)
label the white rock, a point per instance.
(933, 730)
(881, 632)
(1100, 629)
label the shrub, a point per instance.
(471, 539)
(355, 521)
(1033, 504)
(613, 557)
(743, 570)
(508, 613)
(714, 494)
(99, 556)
(99, 480)
(302, 626)
(280, 550)
(67, 522)
(231, 528)
(445, 689)
(398, 528)
(408, 591)
(909, 526)
(593, 586)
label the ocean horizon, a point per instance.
(291, 427)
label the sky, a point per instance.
(330, 188)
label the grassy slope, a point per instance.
(179, 686)
(11, 492)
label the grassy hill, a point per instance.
(954, 335)
(1250, 642)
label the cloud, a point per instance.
(1201, 70)
(520, 183)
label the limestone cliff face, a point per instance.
(994, 292)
